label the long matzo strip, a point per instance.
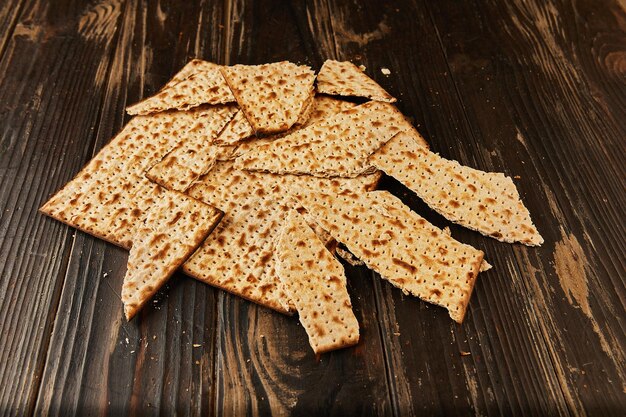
(203, 87)
(316, 283)
(487, 202)
(195, 156)
(346, 79)
(401, 246)
(194, 85)
(335, 147)
(173, 228)
(239, 255)
(316, 107)
(272, 96)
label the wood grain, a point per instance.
(162, 361)
(34, 251)
(9, 14)
(535, 89)
(568, 138)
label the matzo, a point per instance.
(238, 255)
(173, 228)
(346, 79)
(204, 87)
(401, 246)
(316, 283)
(487, 202)
(192, 67)
(305, 112)
(323, 108)
(110, 195)
(335, 147)
(195, 156)
(272, 96)
(235, 131)
(316, 109)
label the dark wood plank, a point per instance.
(9, 14)
(264, 363)
(541, 89)
(510, 367)
(162, 361)
(47, 108)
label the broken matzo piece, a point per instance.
(111, 194)
(335, 147)
(239, 255)
(194, 66)
(235, 131)
(321, 234)
(272, 96)
(316, 283)
(173, 228)
(401, 246)
(316, 108)
(487, 202)
(346, 79)
(323, 108)
(226, 153)
(239, 129)
(203, 87)
(196, 155)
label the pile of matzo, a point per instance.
(253, 178)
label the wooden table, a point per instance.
(533, 88)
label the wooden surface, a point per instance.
(533, 88)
